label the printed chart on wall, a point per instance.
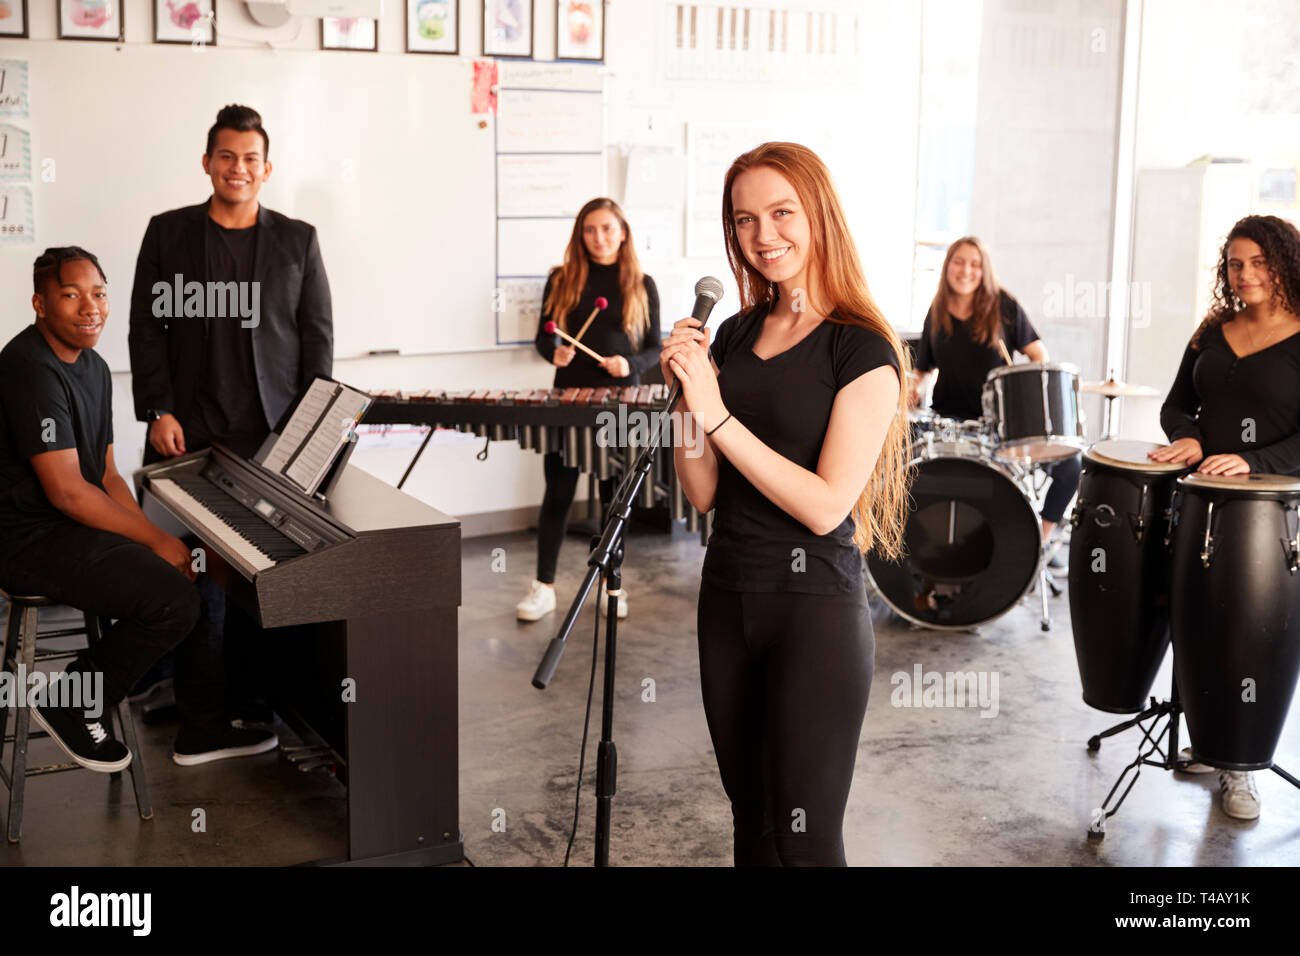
(549, 161)
(16, 217)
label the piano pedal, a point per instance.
(307, 752)
(317, 763)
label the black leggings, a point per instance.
(1065, 482)
(785, 680)
(561, 482)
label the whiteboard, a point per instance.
(545, 184)
(531, 247)
(537, 121)
(378, 151)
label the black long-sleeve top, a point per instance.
(605, 335)
(1247, 406)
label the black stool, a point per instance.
(20, 645)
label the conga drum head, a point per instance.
(971, 543)
(1131, 456)
(1252, 484)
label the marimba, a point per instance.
(600, 431)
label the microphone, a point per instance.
(707, 293)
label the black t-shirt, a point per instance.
(1246, 406)
(786, 402)
(964, 364)
(47, 405)
(605, 335)
(229, 407)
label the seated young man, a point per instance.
(70, 528)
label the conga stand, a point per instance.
(1170, 711)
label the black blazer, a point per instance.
(293, 342)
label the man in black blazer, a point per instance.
(227, 376)
(230, 322)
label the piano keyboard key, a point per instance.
(212, 514)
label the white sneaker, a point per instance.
(622, 602)
(539, 603)
(1240, 798)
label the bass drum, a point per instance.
(971, 544)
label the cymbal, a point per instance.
(1114, 389)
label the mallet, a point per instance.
(552, 327)
(601, 303)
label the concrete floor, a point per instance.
(932, 786)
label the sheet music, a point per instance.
(305, 416)
(308, 469)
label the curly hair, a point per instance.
(1280, 242)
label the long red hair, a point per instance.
(880, 514)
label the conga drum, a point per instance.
(1119, 573)
(1235, 613)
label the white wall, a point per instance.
(1044, 165)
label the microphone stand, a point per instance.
(606, 558)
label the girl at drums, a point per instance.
(600, 262)
(970, 322)
(805, 467)
(1234, 407)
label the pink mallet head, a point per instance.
(602, 302)
(549, 327)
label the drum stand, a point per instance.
(1170, 711)
(1033, 478)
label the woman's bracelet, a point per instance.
(719, 425)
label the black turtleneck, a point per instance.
(605, 336)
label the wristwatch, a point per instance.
(154, 414)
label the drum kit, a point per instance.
(972, 540)
(1160, 555)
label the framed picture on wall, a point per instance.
(580, 30)
(432, 26)
(13, 18)
(508, 28)
(90, 20)
(184, 21)
(349, 33)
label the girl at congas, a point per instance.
(1234, 408)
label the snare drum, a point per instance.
(1235, 613)
(971, 542)
(1119, 573)
(1034, 410)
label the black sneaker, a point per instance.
(196, 747)
(85, 741)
